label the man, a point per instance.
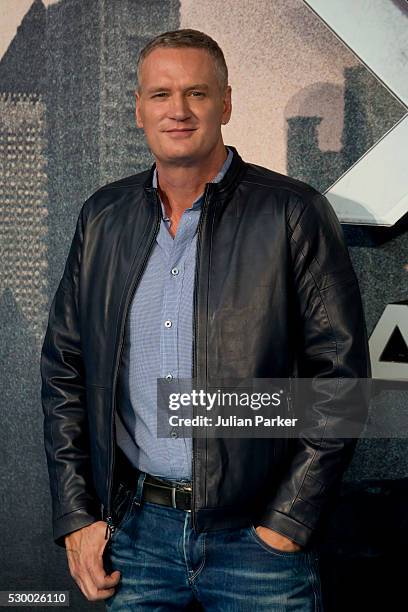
(202, 266)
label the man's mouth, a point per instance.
(180, 133)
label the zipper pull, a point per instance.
(109, 527)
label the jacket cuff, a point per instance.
(287, 526)
(71, 522)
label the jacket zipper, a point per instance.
(289, 397)
(194, 353)
(110, 527)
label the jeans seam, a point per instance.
(184, 546)
(314, 580)
(199, 569)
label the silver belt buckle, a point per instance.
(173, 493)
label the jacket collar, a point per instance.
(225, 187)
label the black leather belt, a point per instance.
(166, 493)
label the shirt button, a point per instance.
(174, 271)
(169, 376)
(167, 323)
(174, 434)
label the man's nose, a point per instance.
(179, 108)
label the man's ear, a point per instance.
(227, 106)
(139, 121)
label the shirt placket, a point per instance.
(175, 252)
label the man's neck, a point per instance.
(179, 186)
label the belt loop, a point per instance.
(173, 497)
(139, 489)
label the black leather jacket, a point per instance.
(275, 296)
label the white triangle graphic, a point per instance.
(393, 315)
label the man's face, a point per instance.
(180, 105)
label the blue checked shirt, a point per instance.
(158, 343)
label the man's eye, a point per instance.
(161, 94)
(197, 93)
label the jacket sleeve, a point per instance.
(332, 346)
(74, 502)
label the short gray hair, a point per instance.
(187, 38)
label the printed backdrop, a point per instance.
(304, 103)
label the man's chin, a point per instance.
(180, 155)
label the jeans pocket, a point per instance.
(271, 549)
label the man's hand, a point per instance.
(276, 540)
(84, 551)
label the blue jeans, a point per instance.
(164, 565)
